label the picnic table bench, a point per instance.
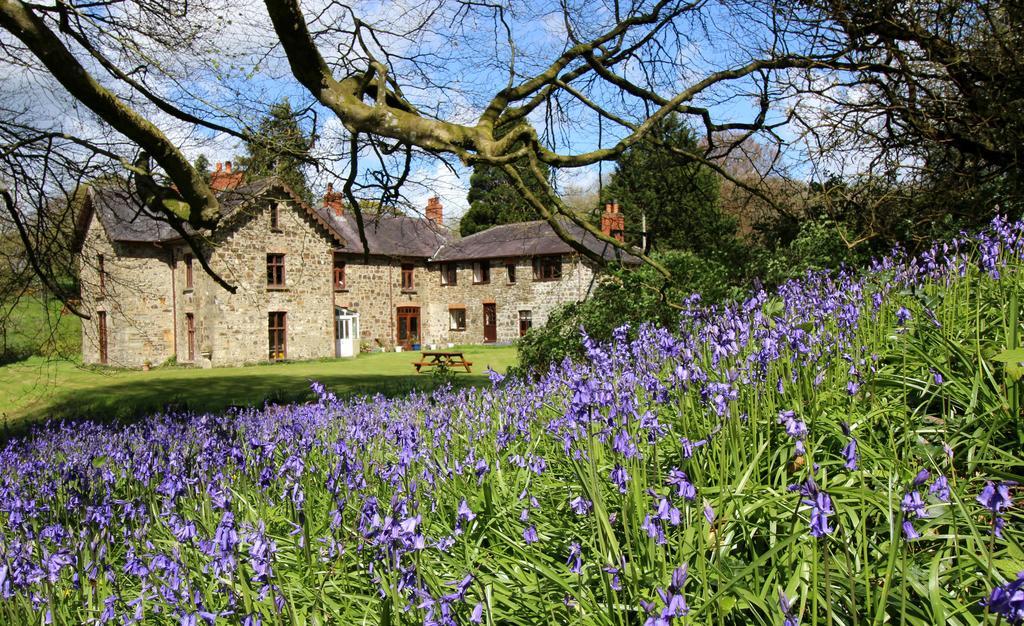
(442, 359)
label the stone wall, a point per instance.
(525, 294)
(232, 329)
(374, 290)
(136, 298)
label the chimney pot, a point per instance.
(220, 166)
(227, 167)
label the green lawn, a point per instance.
(34, 325)
(38, 388)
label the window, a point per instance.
(190, 332)
(407, 277)
(449, 274)
(525, 322)
(188, 271)
(275, 217)
(547, 268)
(456, 319)
(339, 272)
(103, 274)
(277, 325)
(481, 272)
(102, 323)
(275, 270)
(510, 271)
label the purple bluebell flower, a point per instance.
(909, 532)
(789, 618)
(684, 488)
(581, 505)
(913, 505)
(619, 476)
(477, 615)
(530, 535)
(921, 478)
(1007, 601)
(465, 514)
(903, 316)
(940, 488)
(820, 503)
(575, 560)
(996, 498)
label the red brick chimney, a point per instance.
(435, 211)
(223, 179)
(613, 223)
(333, 200)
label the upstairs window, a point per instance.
(547, 268)
(457, 319)
(408, 270)
(339, 272)
(449, 274)
(101, 266)
(481, 272)
(275, 270)
(510, 271)
(275, 216)
(188, 271)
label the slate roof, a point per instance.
(126, 219)
(525, 239)
(389, 235)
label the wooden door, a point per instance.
(408, 326)
(490, 323)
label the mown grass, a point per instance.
(46, 388)
(37, 325)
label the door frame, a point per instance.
(493, 326)
(406, 313)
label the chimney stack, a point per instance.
(435, 211)
(333, 200)
(223, 179)
(613, 223)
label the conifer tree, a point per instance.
(279, 148)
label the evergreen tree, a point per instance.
(278, 149)
(679, 198)
(202, 165)
(493, 199)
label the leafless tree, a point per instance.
(399, 83)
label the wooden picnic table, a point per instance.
(435, 358)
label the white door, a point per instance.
(346, 332)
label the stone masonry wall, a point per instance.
(374, 290)
(136, 298)
(232, 329)
(525, 294)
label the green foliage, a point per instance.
(678, 196)
(202, 165)
(626, 296)
(494, 201)
(279, 149)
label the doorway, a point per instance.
(408, 326)
(490, 322)
(346, 332)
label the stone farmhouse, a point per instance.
(305, 288)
